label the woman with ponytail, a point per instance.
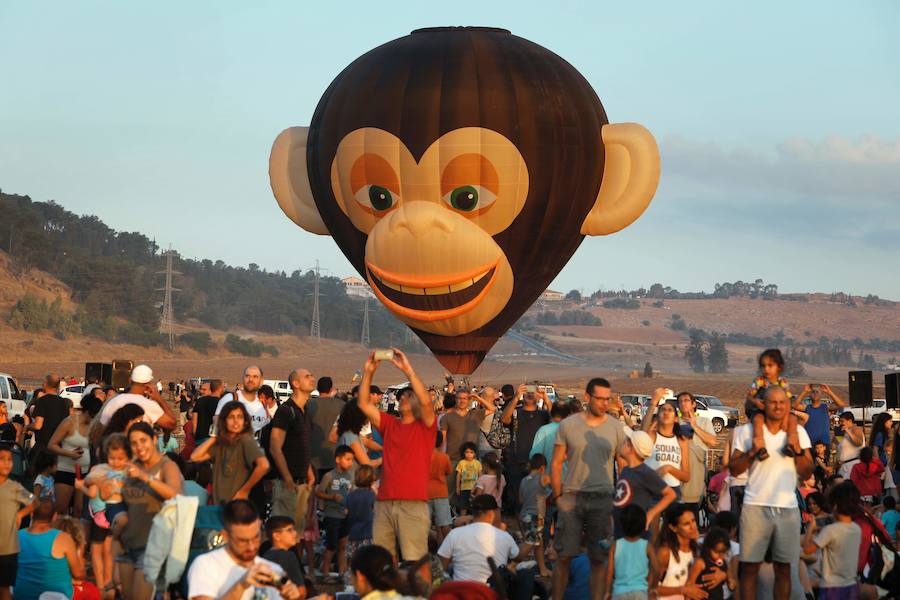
(375, 577)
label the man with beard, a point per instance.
(236, 569)
(247, 395)
(588, 441)
(525, 421)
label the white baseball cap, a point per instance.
(641, 442)
(142, 374)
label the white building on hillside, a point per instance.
(357, 287)
(552, 295)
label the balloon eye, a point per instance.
(380, 198)
(464, 198)
(468, 198)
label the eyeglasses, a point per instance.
(607, 398)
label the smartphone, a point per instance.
(384, 355)
(530, 388)
(275, 581)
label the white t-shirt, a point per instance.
(259, 414)
(152, 410)
(666, 451)
(771, 482)
(213, 573)
(469, 547)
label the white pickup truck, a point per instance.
(709, 407)
(879, 405)
(10, 393)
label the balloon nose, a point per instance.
(421, 219)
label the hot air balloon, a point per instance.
(458, 169)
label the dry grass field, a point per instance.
(623, 344)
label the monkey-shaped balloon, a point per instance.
(459, 169)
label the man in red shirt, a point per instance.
(401, 509)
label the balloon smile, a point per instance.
(432, 298)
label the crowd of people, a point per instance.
(443, 492)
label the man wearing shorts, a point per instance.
(589, 441)
(770, 517)
(401, 510)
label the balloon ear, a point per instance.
(290, 181)
(630, 177)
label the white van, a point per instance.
(10, 393)
(281, 388)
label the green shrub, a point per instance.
(628, 303)
(248, 346)
(197, 340)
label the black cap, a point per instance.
(374, 389)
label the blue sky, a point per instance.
(777, 122)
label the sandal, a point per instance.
(791, 451)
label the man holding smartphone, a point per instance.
(525, 422)
(235, 571)
(401, 509)
(819, 424)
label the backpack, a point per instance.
(499, 436)
(265, 439)
(882, 567)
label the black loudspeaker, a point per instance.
(892, 389)
(121, 374)
(861, 388)
(99, 372)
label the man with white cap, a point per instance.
(639, 484)
(142, 392)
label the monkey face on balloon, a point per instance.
(458, 169)
(430, 255)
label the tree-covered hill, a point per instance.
(114, 277)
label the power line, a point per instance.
(167, 322)
(314, 328)
(365, 327)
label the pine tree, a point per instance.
(694, 353)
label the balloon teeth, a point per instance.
(434, 291)
(412, 290)
(461, 285)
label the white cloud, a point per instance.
(869, 150)
(838, 171)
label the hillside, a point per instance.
(15, 283)
(73, 289)
(112, 280)
(836, 336)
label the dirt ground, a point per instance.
(341, 360)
